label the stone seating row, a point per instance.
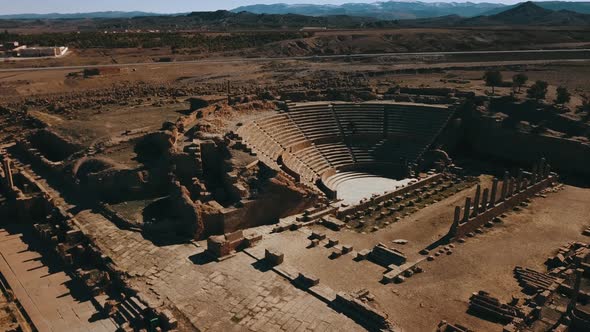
(315, 122)
(338, 154)
(357, 134)
(335, 180)
(410, 121)
(362, 119)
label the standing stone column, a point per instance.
(457, 215)
(456, 220)
(547, 170)
(534, 174)
(7, 163)
(484, 200)
(504, 186)
(494, 193)
(541, 169)
(511, 187)
(467, 209)
(476, 201)
(519, 180)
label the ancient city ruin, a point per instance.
(391, 193)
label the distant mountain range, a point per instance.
(386, 10)
(527, 13)
(391, 10)
(579, 7)
(530, 13)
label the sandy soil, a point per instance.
(485, 262)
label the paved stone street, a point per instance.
(221, 296)
(51, 298)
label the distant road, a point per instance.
(313, 57)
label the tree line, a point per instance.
(537, 91)
(177, 40)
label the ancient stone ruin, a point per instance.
(304, 211)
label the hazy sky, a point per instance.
(159, 6)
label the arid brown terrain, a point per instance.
(310, 184)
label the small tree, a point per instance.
(519, 80)
(538, 90)
(493, 78)
(563, 96)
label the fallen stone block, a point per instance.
(335, 254)
(252, 239)
(307, 280)
(274, 257)
(333, 223)
(318, 236)
(386, 256)
(346, 249)
(363, 254)
(333, 242)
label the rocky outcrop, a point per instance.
(157, 144)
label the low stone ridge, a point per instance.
(366, 315)
(484, 305)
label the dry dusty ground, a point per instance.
(485, 262)
(378, 71)
(336, 42)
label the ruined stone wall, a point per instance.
(27, 198)
(265, 209)
(487, 138)
(175, 215)
(157, 144)
(186, 166)
(52, 145)
(95, 270)
(119, 185)
(37, 158)
(212, 218)
(532, 111)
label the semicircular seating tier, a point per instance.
(310, 140)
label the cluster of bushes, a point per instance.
(212, 43)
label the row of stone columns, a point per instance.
(541, 171)
(487, 199)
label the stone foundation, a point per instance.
(363, 206)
